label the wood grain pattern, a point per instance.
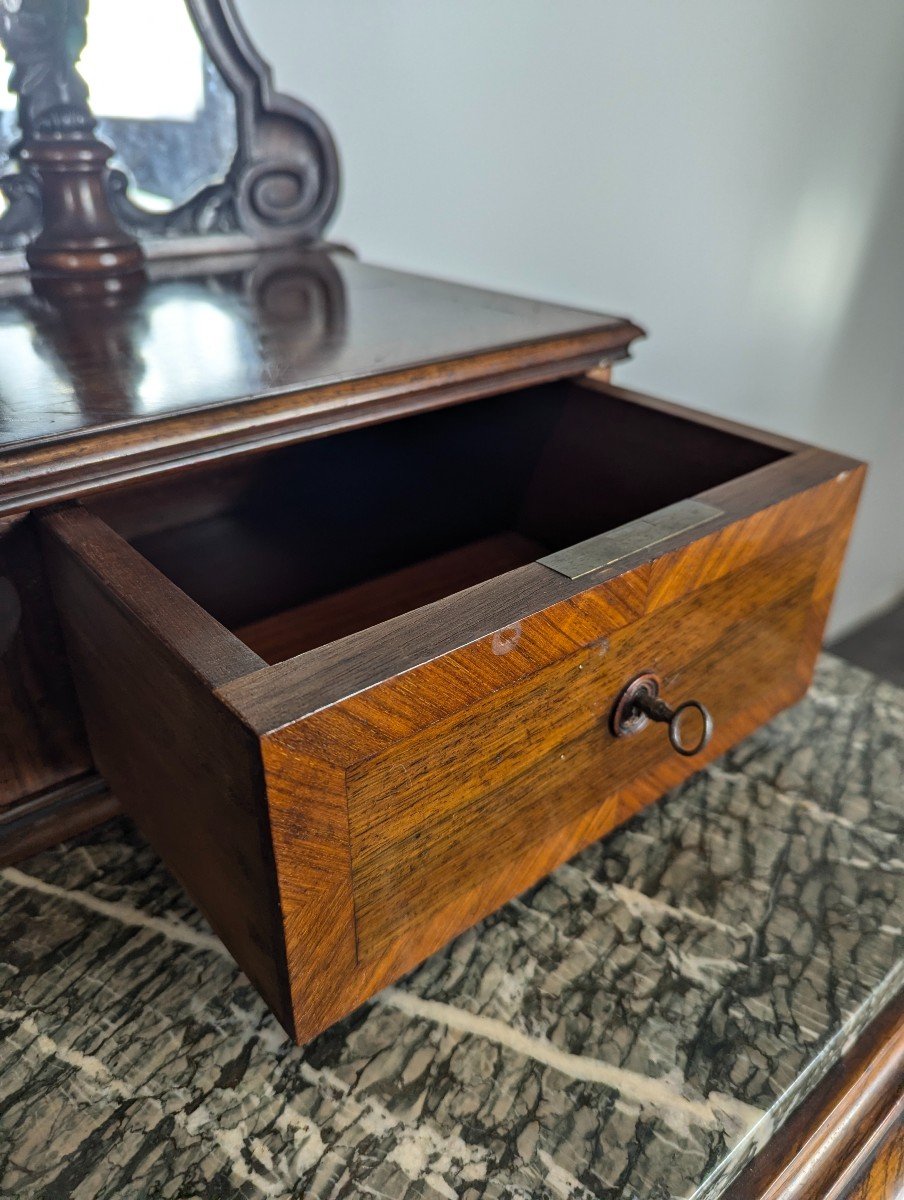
(288, 633)
(232, 557)
(844, 1142)
(274, 697)
(42, 740)
(492, 784)
(54, 816)
(305, 344)
(314, 520)
(468, 779)
(147, 662)
(374, 796)
(883, 1177)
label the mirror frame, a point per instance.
(282, 186)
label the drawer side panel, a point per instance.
(183, 765)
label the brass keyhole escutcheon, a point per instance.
(640, 703)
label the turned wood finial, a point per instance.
(81, 245)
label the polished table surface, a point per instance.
(634, 1028)
(196, 338)
(228, 353)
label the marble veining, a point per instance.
(633, 1028)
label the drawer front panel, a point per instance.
(479, 798)
(409, 810)
(341, 815)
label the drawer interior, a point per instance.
(296, 548)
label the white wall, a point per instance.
(729, 174)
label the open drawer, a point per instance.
(361, 691)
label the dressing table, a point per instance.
(369, 597)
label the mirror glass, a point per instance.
(159, 100)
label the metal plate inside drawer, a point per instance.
(608, 548)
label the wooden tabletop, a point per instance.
(217, 356)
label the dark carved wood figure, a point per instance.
(44, 40)
(80, 244)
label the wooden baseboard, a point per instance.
(846, 1133)
(51, 817)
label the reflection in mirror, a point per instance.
(158, 97)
